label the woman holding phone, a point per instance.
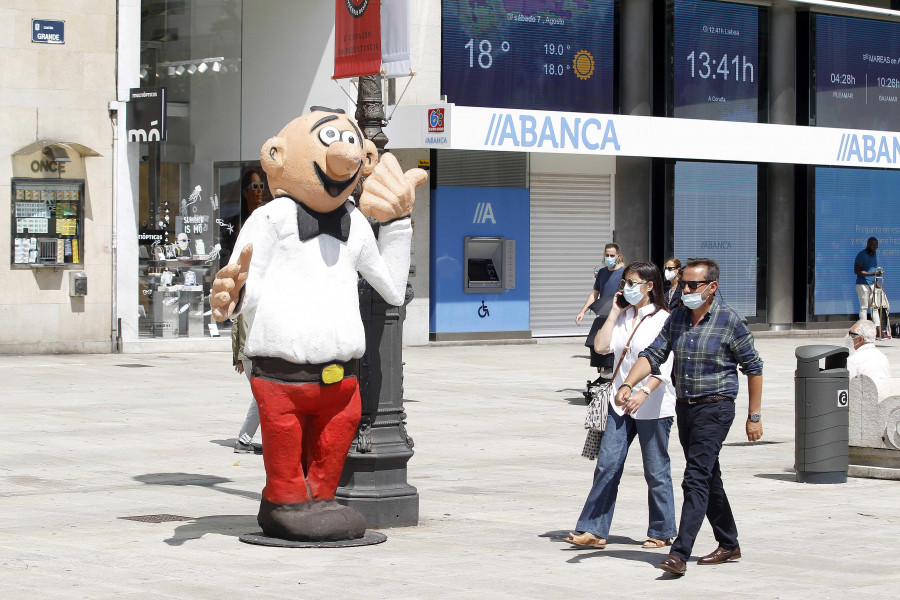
(648, 414)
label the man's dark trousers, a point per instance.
(701, 429)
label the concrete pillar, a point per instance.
(632, 183)
(780, 208)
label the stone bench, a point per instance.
(874, 435)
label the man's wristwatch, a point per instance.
(644, 389)
(754, 418)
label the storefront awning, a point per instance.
(446, 126)
(80, 149)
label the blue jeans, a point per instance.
(653, 434)
(702, 429)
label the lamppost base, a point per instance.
(384, 513)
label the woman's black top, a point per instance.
(673, 298)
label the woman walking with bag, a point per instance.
(648, 414)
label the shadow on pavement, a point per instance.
(207, 481)
(229, 443)
(651, 557)
(792, 477)
(233, 525)
(756, 443)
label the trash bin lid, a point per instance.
(808, 358)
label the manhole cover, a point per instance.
(261, 539)
(134, 366)
(157, 518)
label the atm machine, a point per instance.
(490, 265)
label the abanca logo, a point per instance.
(869, 149)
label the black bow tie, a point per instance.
(311, 224)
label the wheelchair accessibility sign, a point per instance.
(843, 398)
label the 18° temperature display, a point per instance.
(540, 54)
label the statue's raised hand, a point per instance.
(389, 193)
(226, 289)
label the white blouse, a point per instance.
(661, 402)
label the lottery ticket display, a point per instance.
(48, 222)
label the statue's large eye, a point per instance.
(349, 137)
(329, 135)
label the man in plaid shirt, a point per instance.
(710, 341)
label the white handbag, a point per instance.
(598, 409)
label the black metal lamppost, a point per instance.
(374, 477)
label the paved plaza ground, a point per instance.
(89, 439)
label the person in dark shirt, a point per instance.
(710, 341)
(607, 281)
(606, 285)
(866, 268)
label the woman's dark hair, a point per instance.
(247, 179)
(649, 273)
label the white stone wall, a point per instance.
(60, 92)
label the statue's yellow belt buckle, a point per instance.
(332, 374)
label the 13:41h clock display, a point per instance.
(716, 61)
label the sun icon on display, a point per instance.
(583, 64)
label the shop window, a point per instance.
(193, 49)
(48, 223)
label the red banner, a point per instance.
(357, 38)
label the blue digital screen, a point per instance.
(857, 73)
(529, 54)
(853, 205)
(716, 61)
(715, 217)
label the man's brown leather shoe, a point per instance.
(719, 556)
(673, 564)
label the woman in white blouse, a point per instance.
(648, 415)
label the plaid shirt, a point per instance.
(706, 357)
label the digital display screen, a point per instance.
(853, 205)
(716, 61)
(529, 54)
(857, 73)
(715, 217)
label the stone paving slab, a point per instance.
(498, 435)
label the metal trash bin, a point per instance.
(821, 415)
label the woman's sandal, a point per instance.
(655, 543)
(586, 540)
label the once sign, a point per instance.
(48, 166)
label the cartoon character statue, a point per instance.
(295, 280)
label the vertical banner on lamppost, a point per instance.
(145, 117)
(357, 38)
(395, 38)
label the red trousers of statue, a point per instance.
(307, 429)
